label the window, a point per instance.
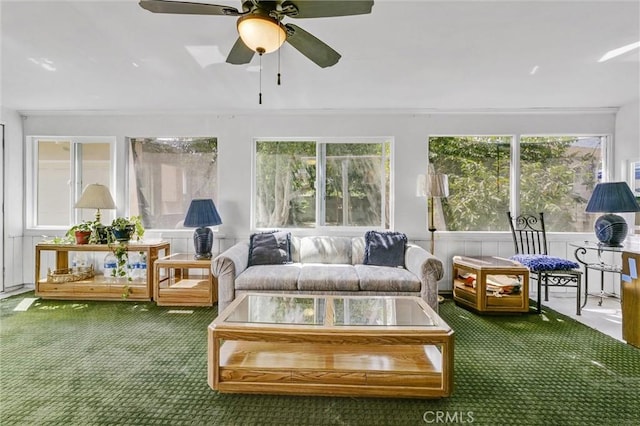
(323, 182)
(557, 175)
(165, 174)
(61, 168)
(478, 171)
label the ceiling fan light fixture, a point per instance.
(262, 34)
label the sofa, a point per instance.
(327, 265)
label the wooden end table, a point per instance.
(175, 285)
(487, 284)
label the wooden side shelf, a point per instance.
(504, 301)
(98, 287)
(328, 369)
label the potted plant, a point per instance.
(122, 229)
(139, 227)
(122, 256)
(101, 234)
(81, 232)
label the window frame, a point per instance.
(320, 182)
(75, 173)
(515, 163)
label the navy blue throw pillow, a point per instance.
(384, 248)
(270, 248)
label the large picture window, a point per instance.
(165, 174)
(556, 176)
(322, 182)
(478, 169)
(62, 167)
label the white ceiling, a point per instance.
(406, 55)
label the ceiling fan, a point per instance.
(260, 24)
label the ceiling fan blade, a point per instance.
(311, 47)
(328, 8)
(186, 8)
(240, 53)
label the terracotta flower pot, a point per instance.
(82, 237)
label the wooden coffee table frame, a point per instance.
(372, 361)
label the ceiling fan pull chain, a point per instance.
(278, 67)
(279, 56)
(260, 84)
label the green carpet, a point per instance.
(84, 363)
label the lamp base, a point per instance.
(202, 243)
(611, 230)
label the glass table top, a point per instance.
(331, 310)
(631, 244)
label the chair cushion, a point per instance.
(543, 262)
(270, 248)
(384, 248)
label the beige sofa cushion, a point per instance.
(323, 277)
(269, 277)
(357, 250)
(325, 250)
(386, 279)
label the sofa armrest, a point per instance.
(428, 269)
(226, 267)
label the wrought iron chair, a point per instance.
(530, 242)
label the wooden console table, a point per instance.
(98, 287)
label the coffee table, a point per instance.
(393, 346)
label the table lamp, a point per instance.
(201, 214)
(96, 196)
(610, 198)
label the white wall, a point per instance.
(627, 146)
(235, 134)
(14, 189)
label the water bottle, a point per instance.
(109, 266)
(141, 267)
(132, 266)
(78, 261)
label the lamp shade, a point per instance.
(260, 33)
(96, 196)
(612, 197)
(202, 212)
(437, 185)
